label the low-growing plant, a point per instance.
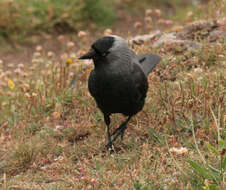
(212, 171)
(27, 17)
(52, 134)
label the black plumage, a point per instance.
(118, 82)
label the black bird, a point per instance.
(118, 81)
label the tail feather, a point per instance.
(148, 62)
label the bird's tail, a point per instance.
(148, 62)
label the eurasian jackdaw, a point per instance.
(118, 81)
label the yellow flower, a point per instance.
(69, 61)
(11, 84)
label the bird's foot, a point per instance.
(122, 133)
(109, 144)
(110, 147)
(119, 131)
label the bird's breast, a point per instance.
(115, 91)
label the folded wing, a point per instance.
(148, 62)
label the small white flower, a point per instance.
(18, 71)
(58, 128)
(107, 32)
(39, 48)
(59, 158)
(158, 12)
(148, 12)
(27, 95)
(50, 54)
(37, 54)
(82, 34)
(70, 44)
(11, 65)
(73, 56)
(189, 14)
(71, 74)
(179, 151)
(197, 70)
(64, 56)
(43, 168)
(21, 66)
(34, 94)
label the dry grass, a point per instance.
(52, 137)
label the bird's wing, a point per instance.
(148, 62)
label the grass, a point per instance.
(19, 20)
(52, 137)
(25, 18)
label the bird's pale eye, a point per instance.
(104, 54)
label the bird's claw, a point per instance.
(109, 144)
(110, 147)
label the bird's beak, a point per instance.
(89, 55)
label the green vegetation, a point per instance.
(21, 19)
(52, 137)
(52, 16)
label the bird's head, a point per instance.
(104, 46)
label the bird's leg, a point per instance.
(120, 130)
(107, 121)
